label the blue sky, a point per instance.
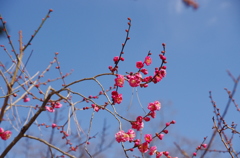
(201, 45)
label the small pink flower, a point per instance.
(54, 125)
(122, 58)
(162, 57)
(143, 148)
(153, 150)
(160, 136)
(96, 108)
(154, 106)
(25, 99)
(146, 119)
(137, 125)
(119, 81)
(121, 136)
(117, 98)
(49, 108)
(148, 60)
(152, 114)
(163, 72)
(159, 154)
(157, 78)
(166, 153)
(147, 79)
(5, 135)
(148, 138)
(136, 142)
(139, 64)
(134, 81)
(57, 105)
(144, 71)
(115, 59)
(131, 134)
(204, 145)
(1, 131)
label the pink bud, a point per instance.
(26, 99)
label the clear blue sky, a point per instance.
(201, 45)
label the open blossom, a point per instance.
(163, 72)
(143, 148)
(117, 98)
(137, 125)
(153, 150)
(152, 114)
(139, 64)
(5, 135)
(131, 134)
(148, 138)
(134, 81)
(154, 106)
(119, 81)
(121, 136)
(159, 75)
(148, 60)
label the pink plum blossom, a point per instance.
(134, 81)
(144, 71)
(160, 136)
(119, 81)
(143, 148)
(54, 125)
(131, 134)
(96, 108)
(117, 98)
(153, 150)
(152, 114)
(121, 136)
(159, 154)
(25, 99)
(139, 64)
(148, 138)
(154, 106)
(5, 135)
(57, 105)
(49, 108)
(115, 59)
(1, 131)
(137, 125)
(148, 60)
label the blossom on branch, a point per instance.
(119, 81)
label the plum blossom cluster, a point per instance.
(117, 98)
(138, 125)
(144, 147)
(5, 134)
(52, 106)
(122, 136)
(136, 79)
